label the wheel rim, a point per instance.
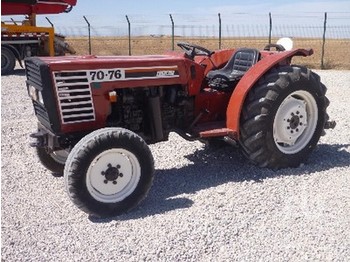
(295, 122)
(60, 156)
(113, 175)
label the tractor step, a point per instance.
(214, 129)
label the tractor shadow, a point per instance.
(19, 72)
(211, 168)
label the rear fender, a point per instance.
(238, 96)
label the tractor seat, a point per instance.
(227, 77)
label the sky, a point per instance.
(111, 7)
(197, 17)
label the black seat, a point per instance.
(228, 76)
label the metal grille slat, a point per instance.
(77, 115)
(64, 84)
(74, 96)
(59, 78)
(77, 103)
(70, 97)
(76, 109)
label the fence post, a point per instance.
(323, 40)
(129, 33)
(219, 30)
(48, 20)
(89, 33)
(172, 32)
(270, 29)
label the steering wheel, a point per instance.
(194, 50)
(279, 48)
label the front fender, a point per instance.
(238, 96)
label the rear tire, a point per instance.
(283, 117)
(109, 172)
(8, 61)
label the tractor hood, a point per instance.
(120, 71)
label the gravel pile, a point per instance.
(205, 205)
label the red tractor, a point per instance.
(97, 115)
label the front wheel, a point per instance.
(52, 161)
(283, 117)
(109, 172)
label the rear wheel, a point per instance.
(283, 117)
(8, 61)
(109, 172)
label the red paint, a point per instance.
(52, 7)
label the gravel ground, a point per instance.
(205, 205)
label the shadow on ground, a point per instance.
(19, 72)
(212, 168)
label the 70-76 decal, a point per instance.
(135, 73)
(104, 75)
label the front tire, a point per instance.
(283, 117)
(52, 161)
(109, 172)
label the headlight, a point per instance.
(35, 94)
(32, 92)
(40, 97)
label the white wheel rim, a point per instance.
(60, 156)
(295, 122)
(113, 175)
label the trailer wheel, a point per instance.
(109, 172)
(54, 161)
(283, 117)
(8, 61)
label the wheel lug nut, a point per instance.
(114, 182)
(105, 181)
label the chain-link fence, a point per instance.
(327, 33)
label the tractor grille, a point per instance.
(34, 79)
(41, 113)
(74, 97)
(33, 74)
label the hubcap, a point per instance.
(113, 175)
(295, 122)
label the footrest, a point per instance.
(214, 129)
